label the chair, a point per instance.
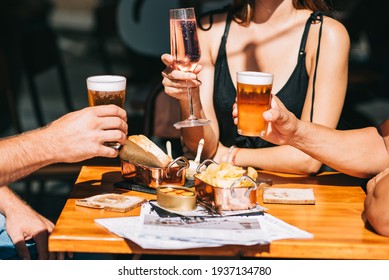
(105, 15)
(161, 112)
(40, 53)
(7, 91)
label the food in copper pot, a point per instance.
(141, 150)
(174, 191)
(223, 175)
(176, 198)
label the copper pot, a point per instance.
(235, 197)
(154, 177)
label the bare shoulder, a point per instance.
(335, 40)
(334, 32)
(211, 32)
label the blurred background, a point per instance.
(49, 48)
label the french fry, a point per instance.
(224, 174)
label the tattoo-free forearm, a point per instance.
(358, 152)
(23, 154)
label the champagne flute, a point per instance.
(185, 49)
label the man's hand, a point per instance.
(81, 134)
(24, 224)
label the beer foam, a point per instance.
(106, 83)
(254, 78)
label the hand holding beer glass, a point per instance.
(253, 98)
(104, 90)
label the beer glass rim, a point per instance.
(106, 82)
(106, 79)
(254, 77)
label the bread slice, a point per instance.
(141, 150)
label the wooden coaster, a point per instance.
(288, 196)
(111, 202)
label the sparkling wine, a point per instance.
(185, 49)
(184, 44)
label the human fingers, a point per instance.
(197, 69)
(21, 247)
(167, 59)
(235, 113)
(179, 75)
(371, 184)
(112, 135)
(113, 123)
(179, 88)
(109, 110)
(276, 111)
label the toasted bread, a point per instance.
(141, 150)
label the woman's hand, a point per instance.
(176, 81)
(235, 113)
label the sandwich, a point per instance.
(141, 150)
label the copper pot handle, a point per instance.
(204, 163)
(178, 161)
(235, 183)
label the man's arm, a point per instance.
(358, 152)
(74, 137)
(23, 223)
(377, 203)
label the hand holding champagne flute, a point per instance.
(107, 89)
(185, 50)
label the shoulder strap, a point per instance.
(210, 15)
(227, 28)
(315, 16)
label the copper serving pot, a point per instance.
(154, 177)
(233, 198)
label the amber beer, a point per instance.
(107, 89)
(253, 98)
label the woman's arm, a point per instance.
(202, 83)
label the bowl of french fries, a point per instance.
(225, 186)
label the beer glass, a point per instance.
(253, 98)
(107, 89)
(185, 49)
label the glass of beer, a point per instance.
(107, 89)
(253, 98)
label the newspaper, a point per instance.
(150, 231)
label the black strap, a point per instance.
(211, 14)
(315, 16)
(227, 28)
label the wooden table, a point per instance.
(335, 221)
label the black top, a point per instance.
(292, 94)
